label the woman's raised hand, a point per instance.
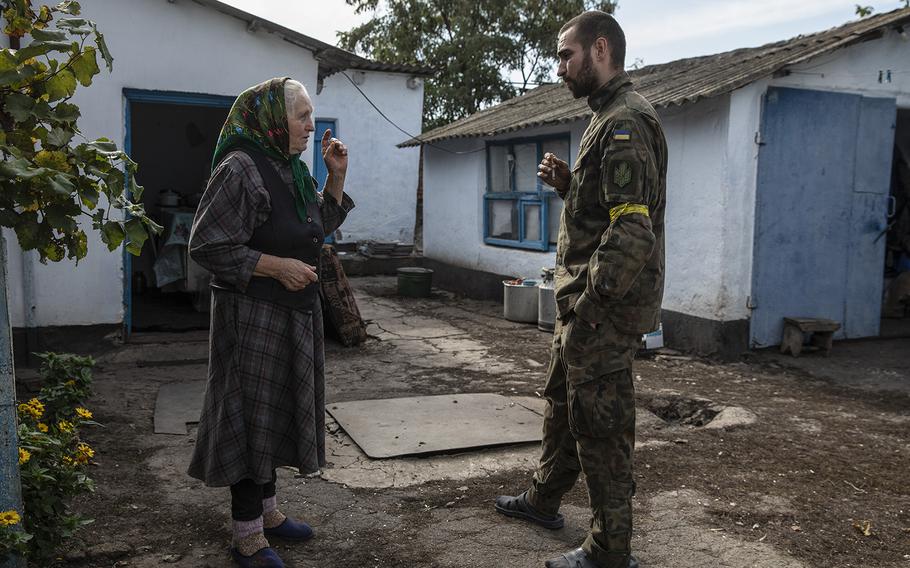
(334, 154)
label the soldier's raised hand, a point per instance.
(554, 172)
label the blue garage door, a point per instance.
(821, 205)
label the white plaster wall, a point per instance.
(162, 46)
(855, 69)
(696, 140)
(382, 179)
(740, 178)
(453, 207)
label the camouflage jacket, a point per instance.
(610, 255)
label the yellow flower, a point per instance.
(84, 453)
(34, 407)
(8, 518)
(42, 427)
(68, 461)
(65, 426)
(70, 383)
(24, 456)
(84, 413)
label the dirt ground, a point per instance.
(766, 462)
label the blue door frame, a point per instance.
(319, 170)
(158, 97)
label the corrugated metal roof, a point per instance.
(331, 59)
(676, 83)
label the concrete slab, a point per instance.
(432, 424)
(176, 405)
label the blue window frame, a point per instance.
(518, 209)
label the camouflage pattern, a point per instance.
(609, 285)
(614, 267)
(589, 425)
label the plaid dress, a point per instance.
(265, 399)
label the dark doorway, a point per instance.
(896, 304)
(172, 138)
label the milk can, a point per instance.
(546, 300)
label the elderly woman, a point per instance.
(259, 229)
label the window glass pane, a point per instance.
(499, 169)
(503, 218)
(526, 167)
(532, 222)
(560, 147)
(554, 213)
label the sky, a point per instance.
(657, 31)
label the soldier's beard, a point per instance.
(585, 82)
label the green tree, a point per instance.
(482, 51)
(51, 176)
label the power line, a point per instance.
(405, 132)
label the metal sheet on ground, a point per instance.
(176, 405)
(419, 425)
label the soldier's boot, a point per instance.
(519, 508)
(578, 558)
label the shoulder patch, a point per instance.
(622, 135)
(622, 173)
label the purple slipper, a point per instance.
(264, 558)
(291, 530)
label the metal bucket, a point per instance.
(546, 307)
(415, 282)
(519, 302)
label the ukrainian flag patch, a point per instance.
(622, 135)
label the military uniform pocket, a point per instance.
(603, 406)
(623, 173)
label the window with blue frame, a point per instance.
(519, 210)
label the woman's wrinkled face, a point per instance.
(300, 124)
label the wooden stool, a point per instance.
(822, 337)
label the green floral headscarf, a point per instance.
(258, 121)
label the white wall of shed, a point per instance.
(855, 69)
(156, 45)
(382, 178)
(695, 217)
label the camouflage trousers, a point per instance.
(589, 426)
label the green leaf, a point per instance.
(38, 48)
(61, 85)
(27, 230)
(60, 217)
(50, 35)
(105, 52)
(61, 185)
(59, 137)
(88, 193)
(7, 60)
(14, 76)
(77, 26)
(112, 234)
(19, 168)
(85, 66)
(69, 7)
(104, 146)
(19, 106)
(66, 112)
(137, 234)
(136, 190)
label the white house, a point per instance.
(178, 64)
(780, 163)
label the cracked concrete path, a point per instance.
(776, 478)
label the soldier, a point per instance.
(609, 284)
